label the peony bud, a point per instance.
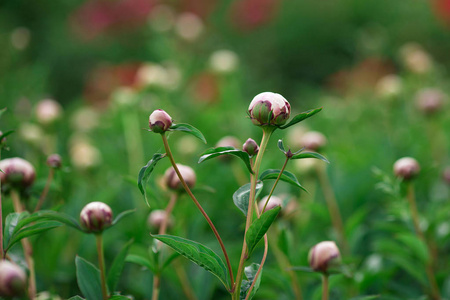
(251, 147)
(54, 161)
(268, 109)
(323, 255)
(446, 175)
(96, 217)
(173, 182)
(17, 172)
(157, 217)
(48, 111)
(159, 121)
(430, 100)
(13, 280)
(313, 140)
(406, 168)
(274, 201)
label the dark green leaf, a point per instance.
(122, 215)
(57, 216)
(119, 297)
(189, 129)
(117, 266)
(214, 152)
(5, 134)
(197, 253)
(286, 177)
(140, 260)
(145, 172)
(242, 195)
(281, 145)
(259, 228)
(250, 273)
(10, 224)
(31, 230)
(310, 155)
(300, 117)
(88, 278)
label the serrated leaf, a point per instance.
(197, 253)
(242, 195)
(250, 273)
(189, 129)
(259, 227)
(310, 155)
(88, 278)
(145, 172)
(300, 117)
(281, 145)
(286, 177)
(140, 260)
(218, 151)
(121, 216)
(31, 230)
(117, 266)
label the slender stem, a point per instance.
(325, 287)
(168, 211)
(156, 286)
(434, 293)
(205, 215)
(27, 248)
(51, 174)
(101, 264)
(1, 214)
(185, 285)
(275, 184)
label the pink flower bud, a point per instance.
(96, 217)
(159, 121)
(48, 111)
(17, 172)
(157, 217)
(173, 182)
(13, 280)
(430, 100)
(406, 168)
(446, 175)
(274, 201)
(313, 140)
(54, 161)
(251, 147)
(323, 255)
(268, 109)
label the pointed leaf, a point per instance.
(145, 172)
(117, 266)
(300, 117)
(60, 217)
(259, 228)
(88, 278)
(281, 145)
(121, 216)
(286, 177)
(10, 224)
(214, 152)
(32, 230)
(242, 195)
(188, 129)
(310, 155)
(250, 273)
(197, 253)
(140, 260)
(5, 134)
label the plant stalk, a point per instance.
(101, 264)
(275, 184)
(51, 174)
(156, 286)
(325, 287)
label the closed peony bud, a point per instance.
(323, 256)
(173, 182)
(430, 100)
(17, 172)
(274, 201)
(313, 140)
(48, 111)
(54, 161)
(96, 217)
(13, 280)
(268, 109)
(406, 168)
(157, 217)
(251, 147)
(159, 121)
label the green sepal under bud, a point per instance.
(159, 121)
(251, 147)
(96, 217)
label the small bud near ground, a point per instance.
(17, 172)
(406, 168)
(13, 280)
(430, 100)
(159, 121)
(251, 147)
(96, 217)
(172, 181)
(269, 109)
(54, 161)
(323, 256)
(157, 217)
(313, 140)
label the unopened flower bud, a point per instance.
(430, 100)
(274, 201)
(54, 161)
(323, 255)
(406, 168)
(96, 217)
(159, 121)
(157, 217)
(251, 147)
(313, 140)
(48, 111)
(13, 280)
(173, 182)
(268, 109)
(17, 172)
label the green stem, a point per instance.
(46, 189)
(325, 287)
(168, 211)
(156, 286)
(101, 264)
(275, 184)
(205, 215)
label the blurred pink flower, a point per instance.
(251, 14)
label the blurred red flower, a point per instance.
(251, 14)
(442, 10)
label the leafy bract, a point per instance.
(145, 172)
(286, 177)
(259, 228)
(218, 151)
(300, 117)
(188, 129)
(242, 195)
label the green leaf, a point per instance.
(76, 298)
(145, 172)
(119, 297)
(250, 273)
(10, 224)
(300, 117)
(281, 146)
(286, 177)
(140, 260)
(259, 228)
(197, 253)
(31, 230)
(218, 151)
(117, 266)
(122, 215)
(188, 129)
(242, 195)
(88, 278)
(59, 217)
(310, 155)
(169, 260)
(5, 134)
(415, 245)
